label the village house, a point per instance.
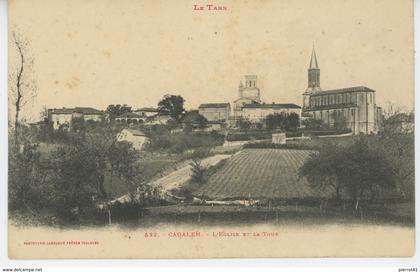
(215, 112)
(258, 112)
(63, 117)
(159, 119)
(353, 108)
(146, 112)
(136, 137)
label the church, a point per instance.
(352, 108)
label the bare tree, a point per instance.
(21, 82)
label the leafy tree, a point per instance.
(291, 122)
(193, 118)
(359, 170)
(114, 111)
(275, 121)
(25, 179)
(77, 176)
(123, 161)
(78, 125)
(172, 105)
(321, 172)
(284, 121)
(243, 123)
(197, 171)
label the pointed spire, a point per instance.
(314, 61)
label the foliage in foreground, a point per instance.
(367, 168)
(69, 182)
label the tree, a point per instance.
(291, 122)
(172, 105)
(275, 121)
(123, 158)
(197, 171)
(25, 179)
(360, 170)
(243, 123)
(193, 118)
(114, 111)
(321, 172)
(22, 85)
(312, 123)
(284, 121)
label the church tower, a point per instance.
(313, 80)
(313, 74)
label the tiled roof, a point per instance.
(271, 106)
(84, 110)
(345, 90)
(135, 132)
(214, 105)
(147, 109)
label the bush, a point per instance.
(198, 170)
(294, 134)
(179, 143)
(126, 211)
(247, 136)
(328, 132)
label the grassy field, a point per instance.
(261, 174)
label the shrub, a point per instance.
(197, 171)
(247, 136)
(179, 143)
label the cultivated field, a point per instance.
(261, 174)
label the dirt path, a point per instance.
(182, 175)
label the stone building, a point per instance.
(64, 116)
(258, 112)
(353, 107)
(215, 112)
(146, 112)
(137, 138)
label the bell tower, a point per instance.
(314, 85)
(314, 73)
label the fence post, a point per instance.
(109, 216)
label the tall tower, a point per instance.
(313, 74)
(251, 90)
(313, 80)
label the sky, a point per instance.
(100, 52)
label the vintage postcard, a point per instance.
(210, 129)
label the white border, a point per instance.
(185, 265)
